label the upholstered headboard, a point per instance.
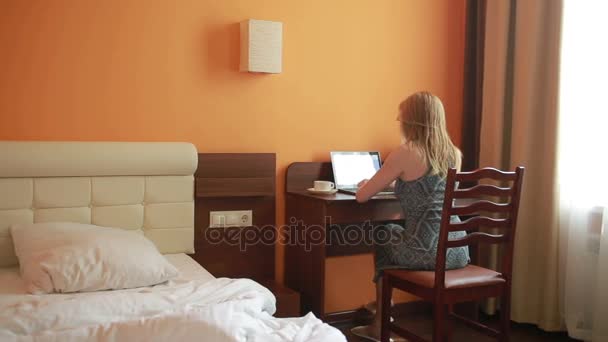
(148, 187)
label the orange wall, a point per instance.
(159, 70)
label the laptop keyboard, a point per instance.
(387, 191)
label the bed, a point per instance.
(146, 188)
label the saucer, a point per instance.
(322, 192)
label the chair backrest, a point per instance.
(482, 213)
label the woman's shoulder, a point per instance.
(409, 160)
(406, 153)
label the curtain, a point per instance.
(584, 269)
(473, 82)
(582, 170)
(519, 126)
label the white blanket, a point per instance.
(196, 310)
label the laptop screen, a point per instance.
(352, 167)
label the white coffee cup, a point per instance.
(324, 185)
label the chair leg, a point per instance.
(448, 323)
(505, 317)
(387, 293)
(439, 322)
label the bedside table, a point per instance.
(288, 300)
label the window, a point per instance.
(583, 136)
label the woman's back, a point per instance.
(416, 244)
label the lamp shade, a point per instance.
(261, 46)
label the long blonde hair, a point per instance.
(422, 118)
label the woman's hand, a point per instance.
(359, 195)
(389, 172)
(362, 183)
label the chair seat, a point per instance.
(469, 276)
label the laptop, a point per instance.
(350, 168)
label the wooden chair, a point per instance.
(472, 283)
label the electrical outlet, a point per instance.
(233, 218)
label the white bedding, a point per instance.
(193, 307)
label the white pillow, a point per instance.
(71, 257)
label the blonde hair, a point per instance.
(422, 118)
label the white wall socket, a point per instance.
(233, 218)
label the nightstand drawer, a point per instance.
(288, 300)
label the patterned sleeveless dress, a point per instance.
(414, 245)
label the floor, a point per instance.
(422, 325)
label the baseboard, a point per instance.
(363, 316)
(358, 316)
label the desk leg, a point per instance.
(305, 252)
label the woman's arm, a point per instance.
(391, 170)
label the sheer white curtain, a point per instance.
(583, 169)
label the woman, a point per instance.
(417, 170)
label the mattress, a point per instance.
(188, 268)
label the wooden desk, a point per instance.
(309, 216)
(312, 218)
